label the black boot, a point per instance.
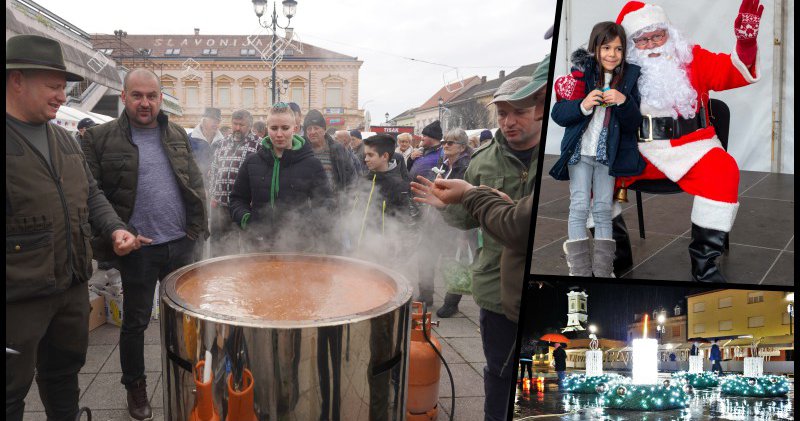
(706, 246)
(450, 306)
(623, 255)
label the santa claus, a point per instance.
(675, 138)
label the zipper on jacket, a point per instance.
(57, 181)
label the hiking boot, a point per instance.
(450, 307)
(138, 404)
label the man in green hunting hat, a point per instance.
(52, 205)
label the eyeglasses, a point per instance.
(641, 42)
(453, 142)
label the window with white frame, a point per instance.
(755, 297)
(333, 94)
(248, 95)
(755, 321)
(699, 328)
(192, 92)
(725, 325)
(224, 95)
(699, 307)
(725, 302)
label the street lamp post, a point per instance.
(119, 34)
(289, 10)
(441, 103)
(387, 118)
(790, 310)
(281, 88)
(661, 319)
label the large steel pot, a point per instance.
(348, 364)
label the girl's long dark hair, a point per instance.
(603, 33)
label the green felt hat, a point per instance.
(34, 52)
(523, 97)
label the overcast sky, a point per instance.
(478, 37)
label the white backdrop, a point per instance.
(709, 24)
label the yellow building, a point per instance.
(227, 72)
(732, 312)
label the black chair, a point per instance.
(720, 118)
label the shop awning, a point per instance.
(783, 341)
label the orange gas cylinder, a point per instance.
(240, 402)
(424, 368)
(204, 398)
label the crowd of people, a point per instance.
(141, 195)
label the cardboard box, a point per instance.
(97, 314)
(113, 307)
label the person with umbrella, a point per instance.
(560, 360)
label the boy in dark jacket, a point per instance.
(383, 201)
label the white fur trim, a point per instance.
(676, 161)
(713, 214)
(737, 63)
(650, 14)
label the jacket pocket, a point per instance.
(495, 182)
(30, 265)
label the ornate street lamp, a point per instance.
(441, 103)
(387, 118)
(661, 328)
(289, 10)
(281, 88)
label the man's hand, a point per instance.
(746, 30)
(613, 97)
(423, 189)
(124, 242)
(450, 191)
(416, 153)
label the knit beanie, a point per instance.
(433, 130)
(314, 118)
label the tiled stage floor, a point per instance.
(762, 239)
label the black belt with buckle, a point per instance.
(657, 128)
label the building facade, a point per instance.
(227, 72)
(734, 313)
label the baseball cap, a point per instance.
(523, 97)
(504, 92)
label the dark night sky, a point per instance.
(610, 306)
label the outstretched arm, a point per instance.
(746, 30)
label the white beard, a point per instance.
(664, 84)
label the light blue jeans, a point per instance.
(586, 177)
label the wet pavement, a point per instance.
(761, 242)
(550, 404)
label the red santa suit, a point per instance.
(696, 161)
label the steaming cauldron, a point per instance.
(291, 336)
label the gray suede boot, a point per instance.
(603, 258)
(578, 258)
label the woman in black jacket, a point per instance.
(598, 103)
(282, 193)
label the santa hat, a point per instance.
(636, 16)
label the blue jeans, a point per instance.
(499, 336)
(585, 178)
(140, 270)
(561, 376)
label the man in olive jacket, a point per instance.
(508, 165)
(145, 166)
(52, 204)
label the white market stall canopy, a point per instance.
(69, 118)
